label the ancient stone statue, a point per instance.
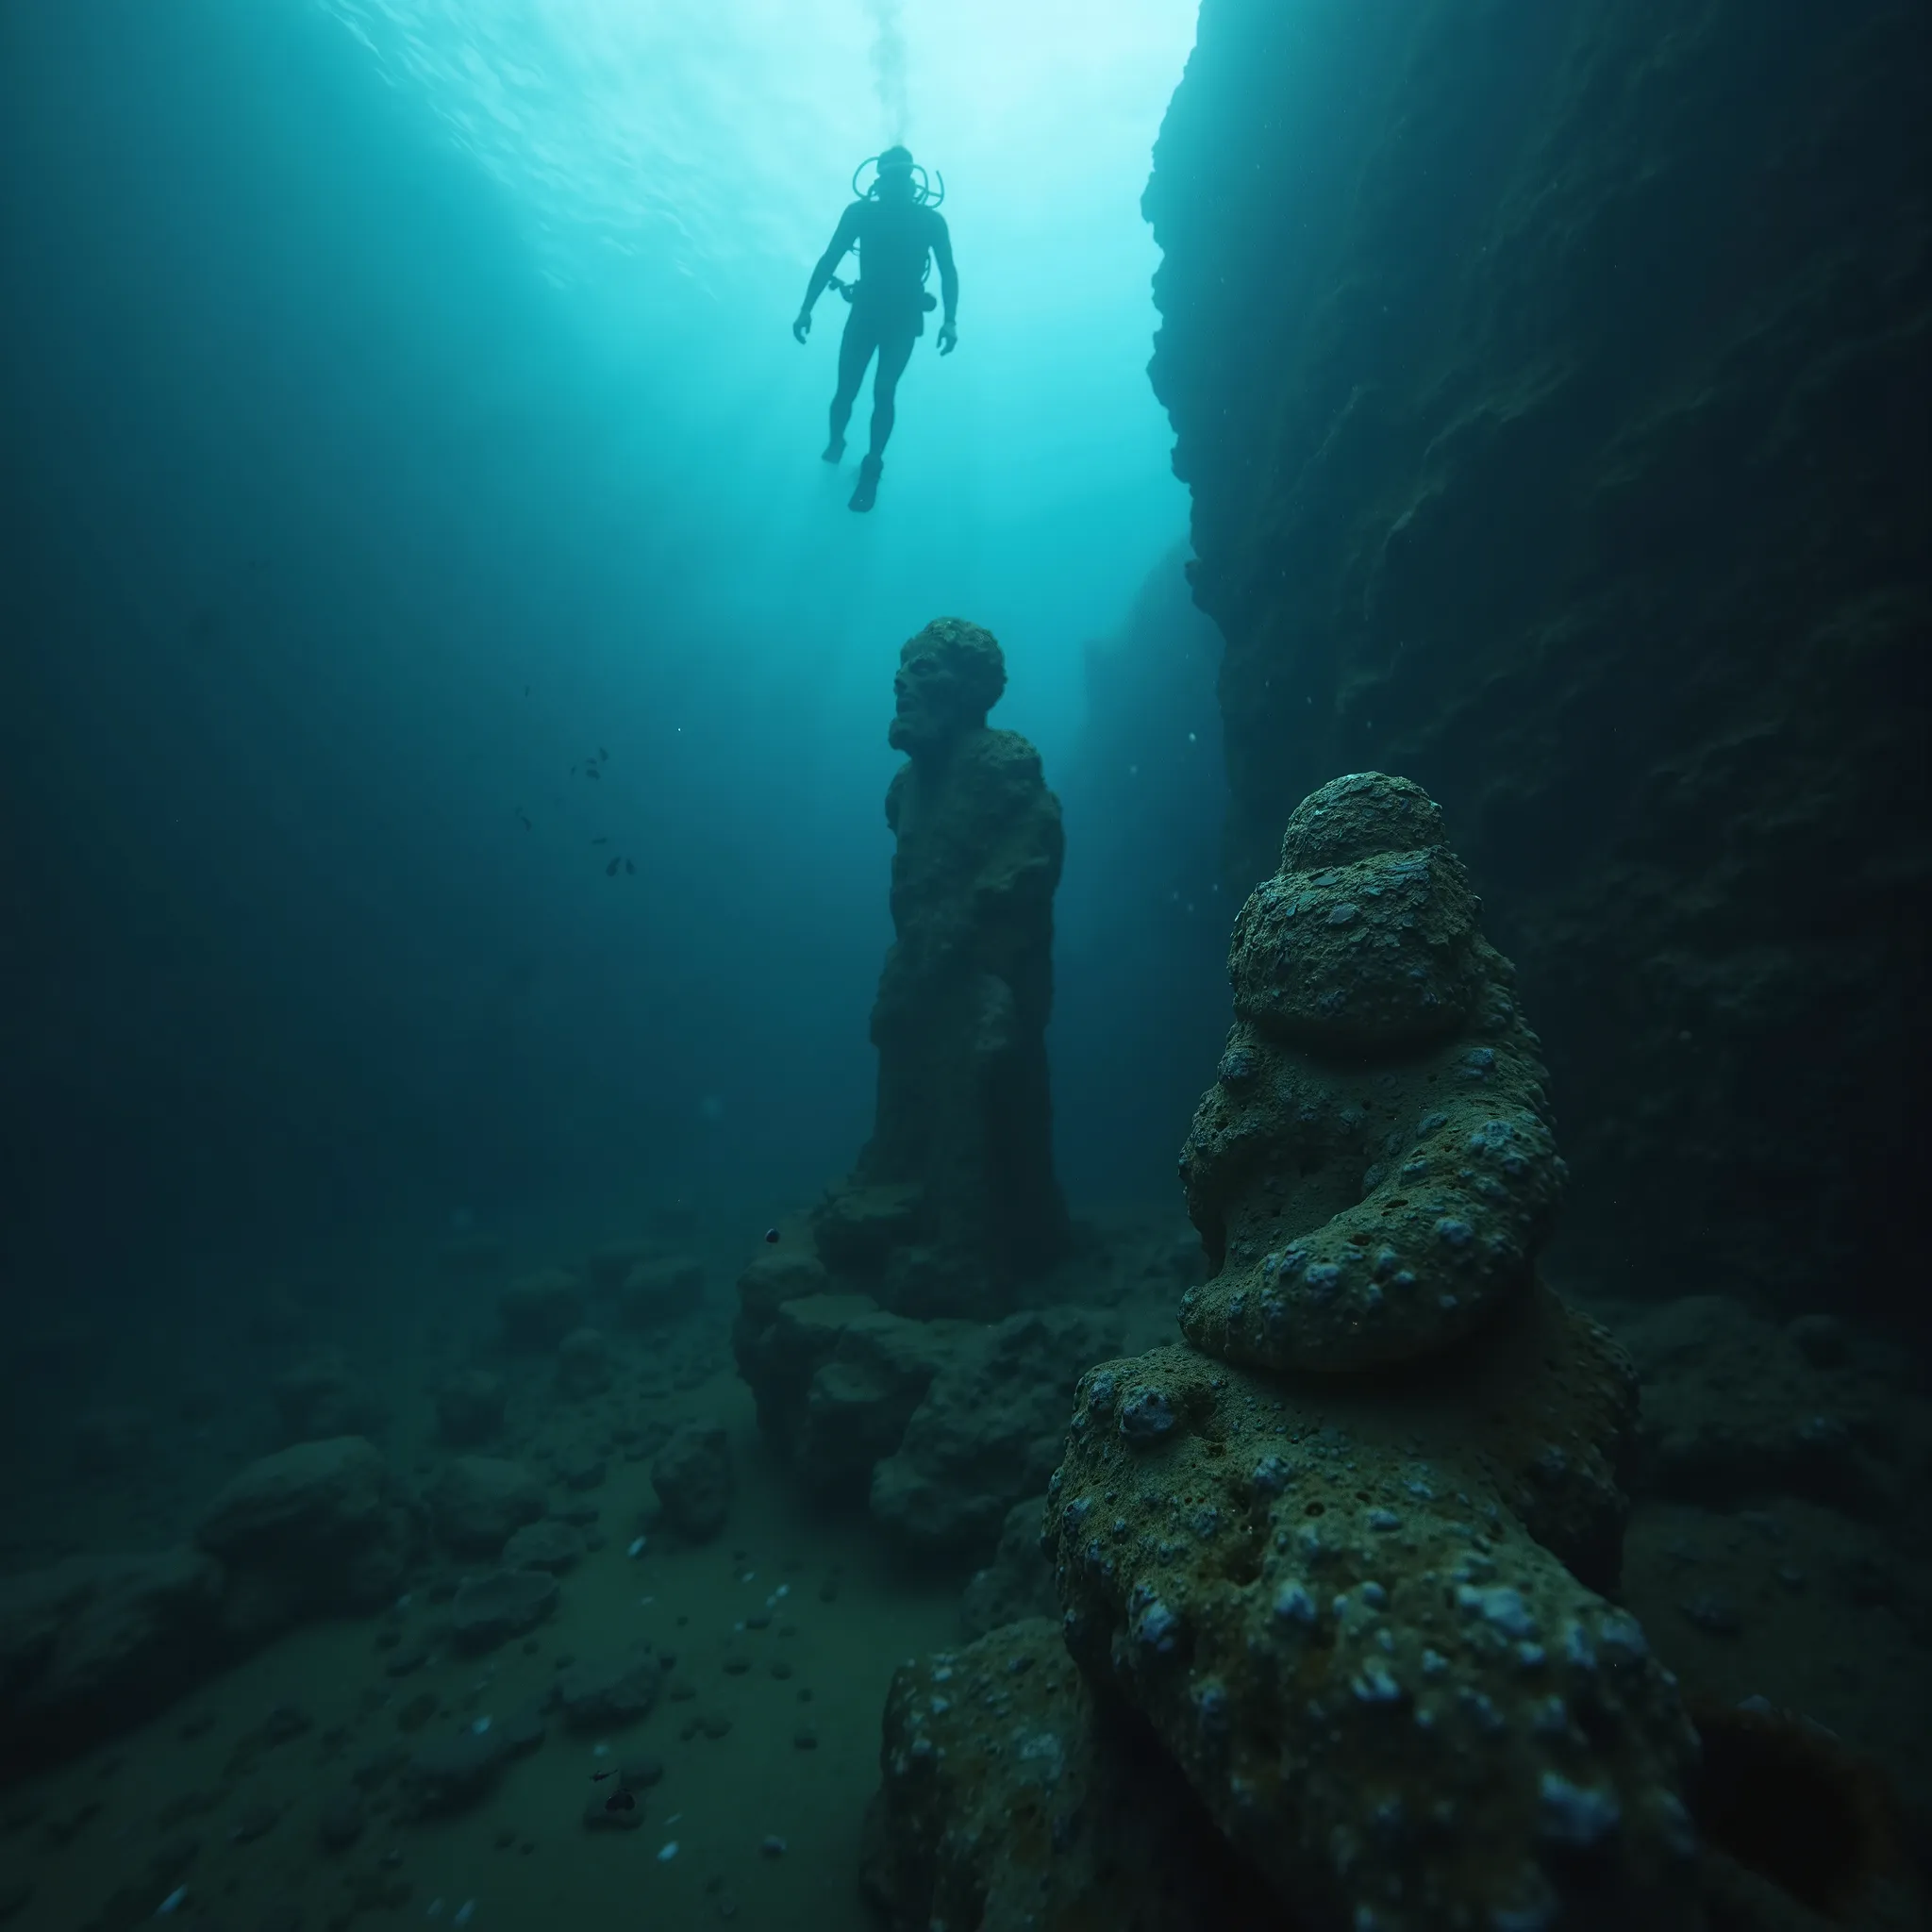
(954, 1200)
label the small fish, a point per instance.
(524, 821)
(592, 771)
(602, 754)
(630, 868)
(610, 870)
(526, 690)
(604, 839)
(620, 1801)
(464, 1912)
(771, 1234)
(597, 1778)
(572, 771)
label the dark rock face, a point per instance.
(954, 1200)
(317, 1529)
(1556, 422)
(1736, 1413)
(96, 1644)
(691, 1474)
(1013, 1798)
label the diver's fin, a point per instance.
(865, 491)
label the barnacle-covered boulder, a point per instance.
(1356, 1615)
(1374, 1172)
(1015, 1797)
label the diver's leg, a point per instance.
(895, 351)
(855, 350)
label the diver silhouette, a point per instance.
(897, 229)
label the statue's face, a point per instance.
(950, 676)
(934, 700)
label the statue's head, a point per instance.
(950, 676)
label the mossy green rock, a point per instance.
(1343, 1605)
(1366, 938)
(1374, 1171)
(1015, 1798)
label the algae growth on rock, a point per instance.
(1345, 1549)
(1374, 1171)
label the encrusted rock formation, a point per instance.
(1374, 1172)
(1343, 1605)
(1015, 1799)
(1345, 1551)
(1552, 396)
(939, 1426)
(953, 1200)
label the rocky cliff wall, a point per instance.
(1551, 378)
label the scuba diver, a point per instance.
(898, 230)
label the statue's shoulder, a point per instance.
(1007, 751)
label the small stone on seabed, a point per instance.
(771, 1846)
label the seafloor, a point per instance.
(273, 1789)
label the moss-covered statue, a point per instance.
(952, 1201)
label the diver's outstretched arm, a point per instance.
(843, 237)
(949, 284)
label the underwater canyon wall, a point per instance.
(1550, 380)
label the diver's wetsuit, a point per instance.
(893, 239)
